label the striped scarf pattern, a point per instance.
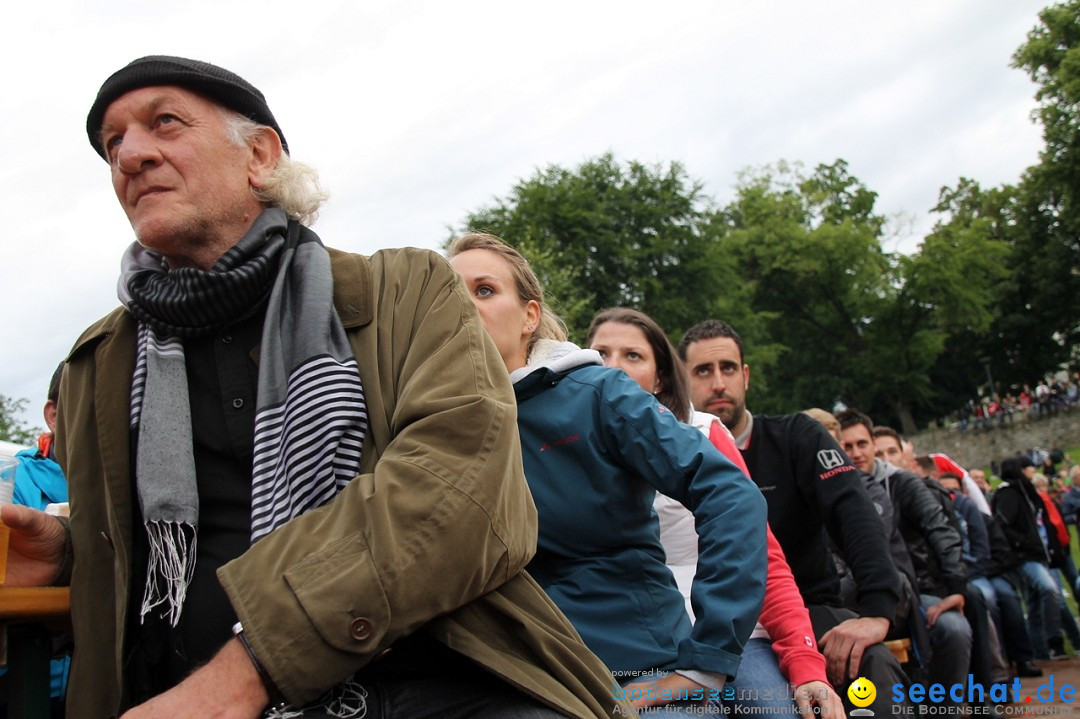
(310, 414)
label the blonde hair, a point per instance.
(528, 286)
(292, 186)
(825, 418)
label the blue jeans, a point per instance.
(950, 638)
(642, 685)
(760, 685)
(1042, 596)
(1004, 605)
(1068, 622)
(1068, 568)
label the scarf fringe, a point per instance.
(169, 569)
(347, 700)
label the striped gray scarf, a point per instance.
(310, 414)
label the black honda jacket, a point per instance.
(811, 487)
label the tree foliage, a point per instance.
(1041, 305)
(610, 234)
(797, 262)
(1035, 325)
(12, 429)
(858, 324)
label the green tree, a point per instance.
(12, 429)
(1020, 342)
(1039, 306)
(608, 233)
(856, 323)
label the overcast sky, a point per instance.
(417, 112)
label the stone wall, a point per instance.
(978, 448)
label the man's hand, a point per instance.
(820, 700)
(953, 601)
(844, 644)
(227, 687)
(35, 547)
(668, 689)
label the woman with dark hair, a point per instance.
(781, 653)
(596, 449)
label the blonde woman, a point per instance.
(596, 449)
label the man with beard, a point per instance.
(811, 488)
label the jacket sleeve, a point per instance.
(921, 509)
(729, 515)
(824, 472)
(1008, 510)
(785, 618)
(978, 537)
(440, 515)
(1069, 505)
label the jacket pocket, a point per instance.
(340, 592)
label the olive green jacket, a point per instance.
(434, 532)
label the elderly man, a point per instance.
(295, 473)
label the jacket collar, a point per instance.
(352, 288)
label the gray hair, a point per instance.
(292, 186)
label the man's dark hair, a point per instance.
(883, 431)
(926, 464)
(54, 383)
(851, 417)
(709, 330)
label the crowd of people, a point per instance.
(309, 483)
(1051, 395)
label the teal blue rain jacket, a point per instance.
(596, 449)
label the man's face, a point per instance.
(184, 186)
(719, 380)
(888, 449)
(859, 445)
(979, 477)
(950, 483)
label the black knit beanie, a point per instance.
(210, 81)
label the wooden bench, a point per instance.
(900, 649)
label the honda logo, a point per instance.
(830, 458)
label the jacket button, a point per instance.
(360, 629)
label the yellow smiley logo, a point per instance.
(862, 692)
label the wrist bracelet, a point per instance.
(277, 699)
